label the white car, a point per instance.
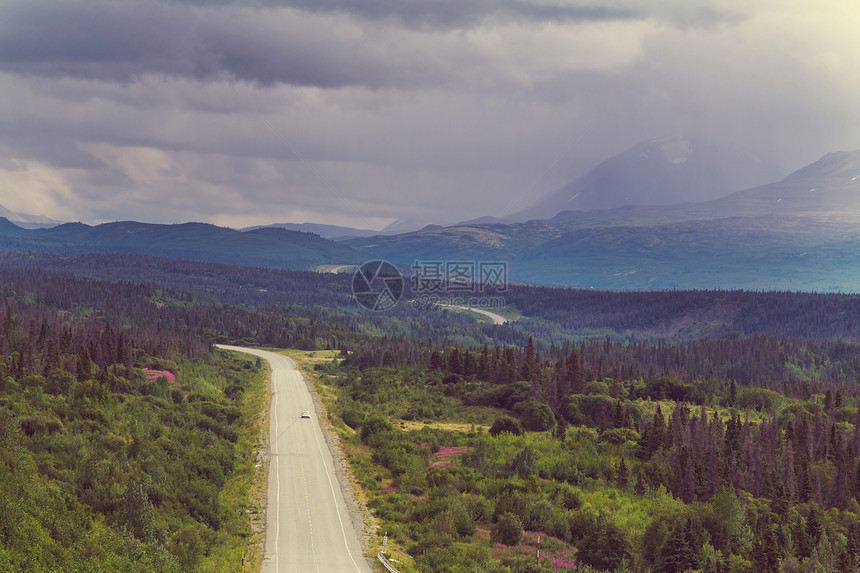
(306, 414)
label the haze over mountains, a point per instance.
(801, 232)
(661, 171)
(27, 221)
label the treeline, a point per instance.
(797, 368)
(682, 315)
(551, 316)
(162, 320)
(699, 448)
(277, 295)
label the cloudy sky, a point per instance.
(360, 113)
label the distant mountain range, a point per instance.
(800, 233)
(663, 171)
(28, 221)
(267, 247)
(335, 232)
(324, 231)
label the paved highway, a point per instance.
(496, 318)
(308, 527)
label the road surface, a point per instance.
(496, 318)
(308, 526)
(340, 268)
(334, 268)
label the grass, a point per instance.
(243, 496)
(450, 426)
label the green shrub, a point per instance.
(508, 530)
(352, 417)
(506, 424)
(618, 436)
(760, 399)
(462, 521)
(537, 417)
(375, 431)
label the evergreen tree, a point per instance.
(622, 475)
(680, 552)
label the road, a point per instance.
(496, 318)
(308, 526)
(334, 268)
(340, 268)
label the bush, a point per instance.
(352, 417)
(375, 431)
(508, 530)
(760, 399)
(618, 436)
(518, 505)
(590, 410)
(463, 523)
(537, 417)
(525, 463)
(506, 424)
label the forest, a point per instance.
(125, 443)
(595, 431)
(471, 457)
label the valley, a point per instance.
(762, 238)
(601, 428)
(529, 286)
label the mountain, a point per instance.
(828, 188)
(800, 233)
(752, 253)
(405, 226)
(27, 221)
(658, 172)
(324, 231)
(337, 233)
(266, 247)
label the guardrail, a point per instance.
(386, 564)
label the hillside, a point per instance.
(324, 231)
(266, 247)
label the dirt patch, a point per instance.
(451, 426)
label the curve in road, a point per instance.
(496, 318)
(308, 527)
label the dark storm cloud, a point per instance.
(448, 14)
(306, 42)
(119, 41)
(453, 14)
(438, 110)
(458, 14)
